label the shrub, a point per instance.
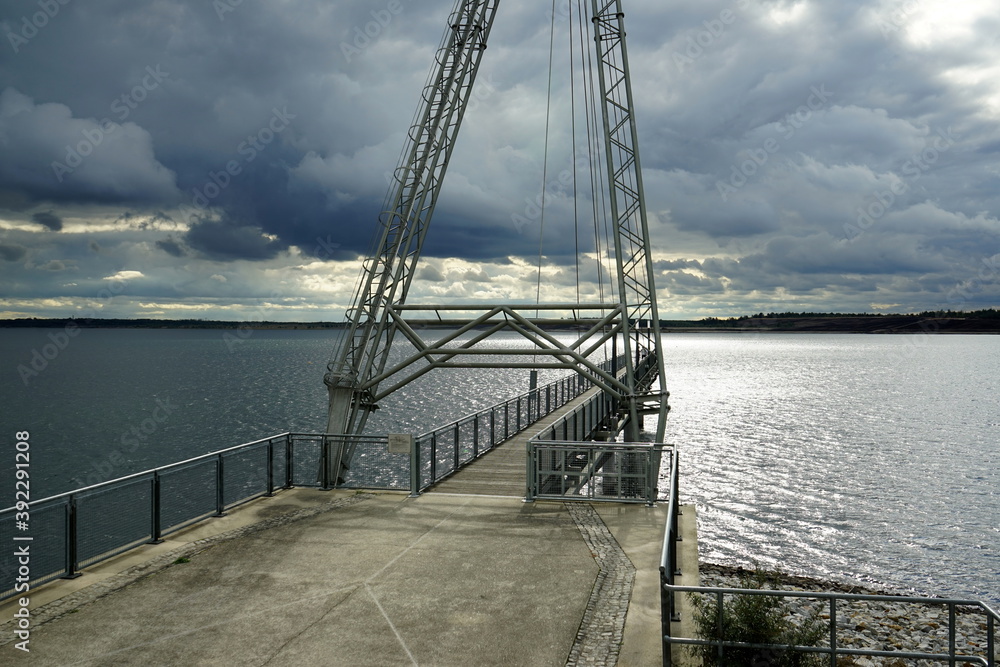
(755, 619)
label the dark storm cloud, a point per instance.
(48, 219)
(226, 240)
(11, 252)
(825, 148)
(171, 247)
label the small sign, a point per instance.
(400, 443)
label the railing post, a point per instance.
(220, 503)
(529, 477)
(71, 540)
(324, 468)
(666, 612)
(990, 641)
(951, 634)
(270, 469)
(518, 415)
(475, 437)
(434, 457)
(506, 420)
(156, 530)
(414, 468)
(289, 461)
(493, 428)
(458, 444)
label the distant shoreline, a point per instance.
(983, 322)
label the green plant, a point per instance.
(754, 619)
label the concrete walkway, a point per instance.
(339, 578)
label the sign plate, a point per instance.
(399, 443)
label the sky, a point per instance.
(228, 160)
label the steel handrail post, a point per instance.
(664, 619)
(833, 632)
(990, 641)
(529, 477)
(414, 468)
(289, 461)
(951, 634)
(475, 438)
(434, 458)
(270, 468)
(71, 540)
(220, 507)
(458, 443)
(154, 510)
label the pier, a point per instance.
(464, 573)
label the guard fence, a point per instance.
(594, 471)
(950, 631)
(74, 530)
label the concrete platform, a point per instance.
(338, 578)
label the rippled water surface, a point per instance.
(845, 456)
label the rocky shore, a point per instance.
(883, 625)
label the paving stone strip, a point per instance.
(599, 639)
(84, 596)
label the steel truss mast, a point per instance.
(358, 375)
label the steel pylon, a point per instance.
(358, 375)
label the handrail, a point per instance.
(668, 592)
(160, 469)
(175, 495)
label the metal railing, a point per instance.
(968, 642)
(594, 471)
(74, 530)
(443, 451)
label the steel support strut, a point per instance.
(636, 287)
(359, 364)
(386, 276)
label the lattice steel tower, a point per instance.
(358, 375)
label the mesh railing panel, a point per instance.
(187, 493)
(589, 471)
(113, 519)
(373, 467)
(306, 455)
(244, 474)
(47, 548)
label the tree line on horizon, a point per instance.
(985, 314)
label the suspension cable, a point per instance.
(545, 157)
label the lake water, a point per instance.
(854, 457)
